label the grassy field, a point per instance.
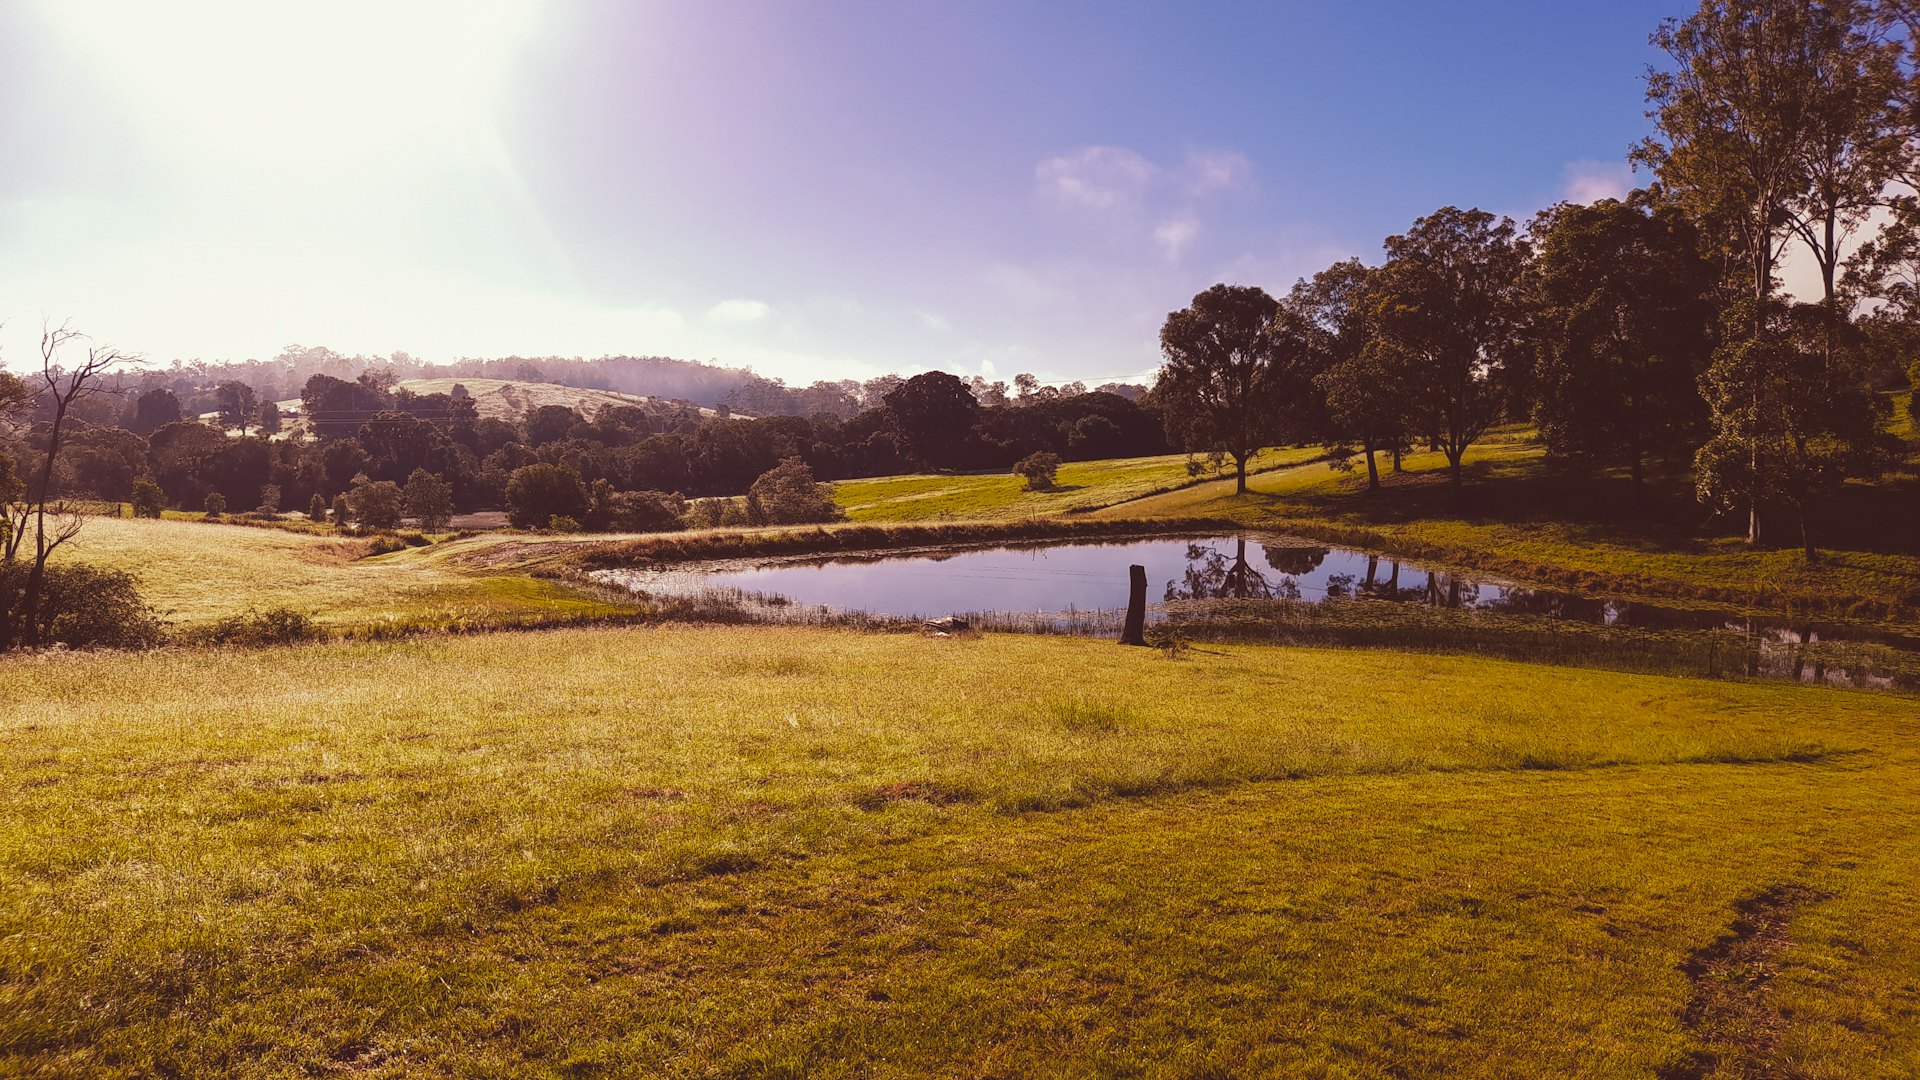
(195, 573)
(764, 852)
(1080, 486)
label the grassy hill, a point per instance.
(504, 399)
(763, 852)
(1081, 486)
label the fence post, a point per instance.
(1135, 632)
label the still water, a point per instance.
(1091, 577)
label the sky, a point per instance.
(815, 190)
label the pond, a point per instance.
(1065, 579)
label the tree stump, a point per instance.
(1135, 632)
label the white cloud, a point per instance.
(1217, 170)
(932, 320)
(739, 311)
(1099, 178)
(1174, 235)
(1592, 181)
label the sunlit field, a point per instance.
(764, 852)
(1080, 486)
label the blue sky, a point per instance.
(817, 190)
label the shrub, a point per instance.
(715, 513)
(414, 539)
(148, 499)
(269, 499)
(645, 511)
(788, 495)
(539, 493)
(561, 523)
(216, 504)
(1039, 469)
(317, 508)
(342, 511)
(275, 626)
(385, 543)
(84, 607)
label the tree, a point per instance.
(935, 412)
(342, 510)
(269, 499)
(61, 389)
(541, 492)
(235, 401)
(1224, 385)
(430, 499)
(154, 410)
(1788, 427)
(376, 503)
(788, 495)
(645, 511)
(317, 508)
(1364, 398)
(1038, 469)
(216, 505)
(1446, 312)
(269, 421)
(1621, 303)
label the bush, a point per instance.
(342, 511)
(84, 607)
(788, 495)
(645, 511)
(275, 626)
(1039, 469)
(539, 493)
(716, 513)
(269, 499)
(317, 508)
(148, 499)
(414, 539)
(561, 523)
(385, 543)
(216, 505)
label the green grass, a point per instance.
(1520, 516)
(1080, 486)
(786, 852)
(196, 573)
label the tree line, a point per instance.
(1654, 324)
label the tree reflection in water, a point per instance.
(1213, 574)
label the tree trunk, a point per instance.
(1373, 471)
(1239, 474)
(1806, 539)
(1453, 470)
(1396, 461)
(1135, 631)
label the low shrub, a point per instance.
(275, 626)
(82, 607)
(384, 543)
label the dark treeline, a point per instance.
(369, 429)
(1649, 326)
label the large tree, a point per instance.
(1364, 399)
(1231, 367)
(1621, 307)
(1446, 305)
(1789, 425)
(935, 412)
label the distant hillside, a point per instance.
(508, 399)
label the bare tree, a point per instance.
(32, 514)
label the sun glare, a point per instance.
(275, 84)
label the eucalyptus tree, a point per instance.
(1364, 399)
(1233, 368)
(1621, 311)
(1446, 308)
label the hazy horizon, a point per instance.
(831, 192)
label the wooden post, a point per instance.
(1135, 632)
